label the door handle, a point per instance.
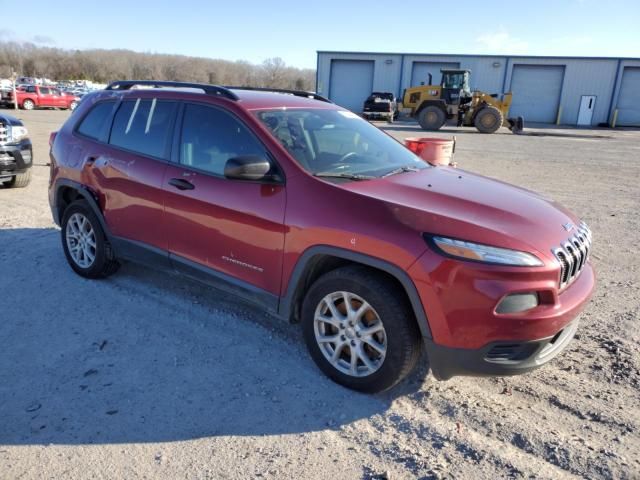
(181, 184)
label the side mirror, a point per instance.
(249, 167)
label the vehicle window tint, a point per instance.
(211, 136)
(44, 91)
(55, 91)
(143, 126)
(94, 123)
(31, 89)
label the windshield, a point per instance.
(338, 142)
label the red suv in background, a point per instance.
(305, 209)
(36, 96)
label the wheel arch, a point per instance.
(68, 191)
(321, 259)
(31, 99)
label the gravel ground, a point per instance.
(148, 376)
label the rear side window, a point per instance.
(143, 126)
(44, 91)
(210, 137)
(94, 123)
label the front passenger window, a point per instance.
(211, 136)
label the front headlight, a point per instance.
(18, 133)
(485, 253)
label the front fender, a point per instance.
(296, 280)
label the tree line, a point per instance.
(104, 66)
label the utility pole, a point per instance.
(14, 77)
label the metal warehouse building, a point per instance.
(563, 90)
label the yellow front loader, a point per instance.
(434, 105)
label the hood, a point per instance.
(459, 204)
(10, 120)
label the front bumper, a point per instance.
(15, 158)
(497, 358)
(468, 334)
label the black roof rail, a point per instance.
(297, 93)
(206, 88)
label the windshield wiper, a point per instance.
(403, 169)
(350, 176)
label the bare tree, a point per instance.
(273, 72)
(106, 65)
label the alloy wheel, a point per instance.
(81, 240)
(350, 334)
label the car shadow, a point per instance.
(148, 357)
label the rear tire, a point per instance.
(488, 119)
(431, 118)
(28, 104)
(19, 180)
(85, 244)
(73, 106)
(383, 338)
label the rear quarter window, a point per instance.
(143, 126)
(94, 124)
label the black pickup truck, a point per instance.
(380, 105)
(16, 153)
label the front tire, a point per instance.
(19, 180)
(488, 119)
(360, 330)
(73, 105)
(85, 244)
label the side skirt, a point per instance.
(162, 260)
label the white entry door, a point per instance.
(587, 105)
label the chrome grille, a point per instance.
(4, 133)
(573, 254)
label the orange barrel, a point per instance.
(436, 151)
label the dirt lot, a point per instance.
(145, 376)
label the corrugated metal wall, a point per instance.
(420, 71)
(629, 98)
(386, 73)
(492, 74)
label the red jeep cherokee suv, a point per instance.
(309, 211)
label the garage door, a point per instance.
(351, 83)
(629, 98)
(536, 92)
(421, 70)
